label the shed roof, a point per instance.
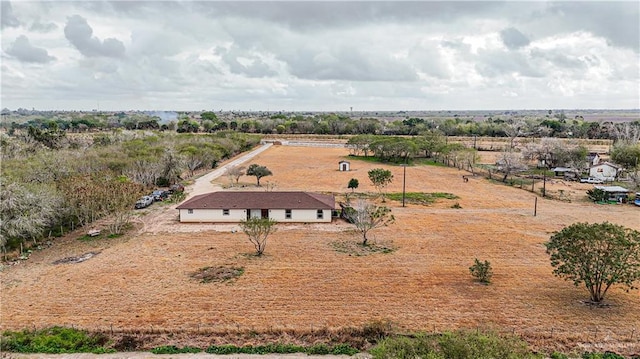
(262, 200)
(607, 164)
(612, 189)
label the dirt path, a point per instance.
(164, 218)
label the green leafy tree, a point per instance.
(597, 195)
(258, 229)
(597, 256)
(366, 217)
(353, 184)
(380, 178)
(258, 171)
(481, 271)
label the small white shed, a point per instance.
(344, 165)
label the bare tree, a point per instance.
(510, 162)
(120, 202)
(258, 229)
(234, 173)
(367, 216)
(626, 133)
(26, 212)
(514, 128)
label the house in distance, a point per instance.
(228, 206)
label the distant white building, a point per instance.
(344, 166)
(605, 171)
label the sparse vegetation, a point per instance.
(217, 274)
(421, 198)
(481, 271)
(459, 345)
(54, 340)
(258, 230)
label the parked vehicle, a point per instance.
(144, 202)
(160, 195)
(591, 180)
(637, 200)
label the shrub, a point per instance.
(556, 355)
(481, 271)
(459, 345)
(53, 340)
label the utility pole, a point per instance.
(404, 181)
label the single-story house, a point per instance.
(615, 193)
(229, 206)
(344, 166)
(605, 171)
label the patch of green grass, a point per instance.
(317, 349)
(421, 197)
(54, 340)
(428, 162)
(172, 349)
(460, 344)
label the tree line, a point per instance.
(52, 183)
(550, 125)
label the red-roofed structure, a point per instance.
(230, 206)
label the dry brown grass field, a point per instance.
(142, 281)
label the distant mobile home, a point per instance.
(227, 206)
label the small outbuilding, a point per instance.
(605, 171)
(229, 206)
(344, 166)
(615, 193)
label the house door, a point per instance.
(264, 213)
(344, 166)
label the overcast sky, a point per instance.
(324, 56)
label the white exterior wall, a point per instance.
(212, 215)
(300, 215)
(603, 172)
(236, 215)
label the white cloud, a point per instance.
(320, 55)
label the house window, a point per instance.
(225, 212)
(320, 214)
(287, 213)
(190, 211)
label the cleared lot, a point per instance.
(143, 281)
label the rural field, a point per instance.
(142, 280)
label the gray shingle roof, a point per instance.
(260, 200)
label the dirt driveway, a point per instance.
(165, 219)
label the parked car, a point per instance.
(591, 180)
(637, 200)
(144, 202)
(160, 195)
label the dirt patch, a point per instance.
(76, 259)
(356, 248)
(217, 274)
